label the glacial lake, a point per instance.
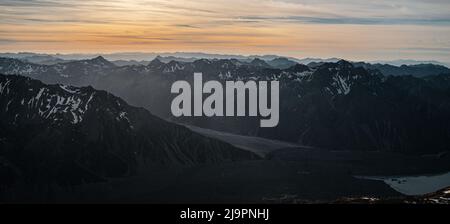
(414, 185)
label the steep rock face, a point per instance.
(74, 135)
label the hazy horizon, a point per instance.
(353, 30)
(148, 56)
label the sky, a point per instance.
(350, 29)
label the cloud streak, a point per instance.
(350, 20)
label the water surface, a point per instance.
(415, 185)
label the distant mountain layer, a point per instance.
(342, 105)
(69, 135)
(128, 58)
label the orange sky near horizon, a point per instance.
(350, 29)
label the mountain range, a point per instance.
(92, 130)
(335, 105)
(417, 70)
(69, 135)
(134, 58)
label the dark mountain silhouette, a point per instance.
(69, 135)
(332, 105)
(359, 121)
(418, 70)
(281, 63)
(156, 63)
(259, 63)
